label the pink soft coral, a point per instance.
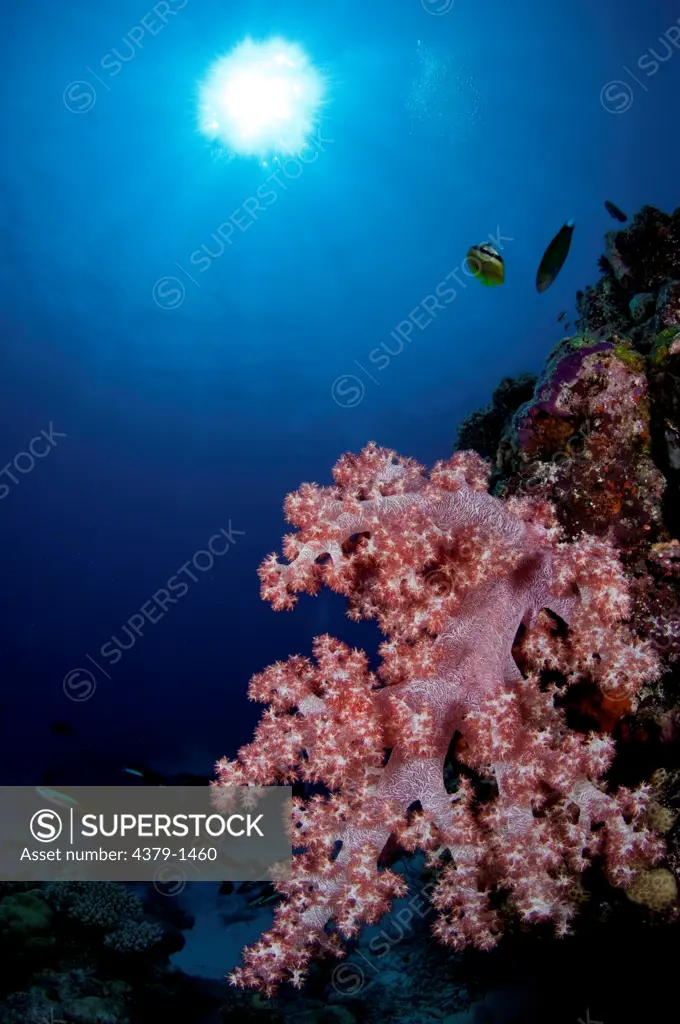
(450, 573)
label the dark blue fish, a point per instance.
(151, 778)
(145, 775)
(61, 729)
(554, 257)
(614, 212)
(267, 896)
(56, 796)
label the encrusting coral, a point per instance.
(655, 888)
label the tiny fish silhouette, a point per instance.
(61, 729)
(614, 211)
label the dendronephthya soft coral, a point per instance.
(451, 574)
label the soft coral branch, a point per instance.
(450, 573)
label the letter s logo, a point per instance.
(46, 826)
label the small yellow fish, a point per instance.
(486, 264)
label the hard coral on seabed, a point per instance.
(36, 1007)
(134, 936)
(25, 923)
(94, 904)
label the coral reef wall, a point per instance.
(600, 438)
(527, 631)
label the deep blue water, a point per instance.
(178, 422)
